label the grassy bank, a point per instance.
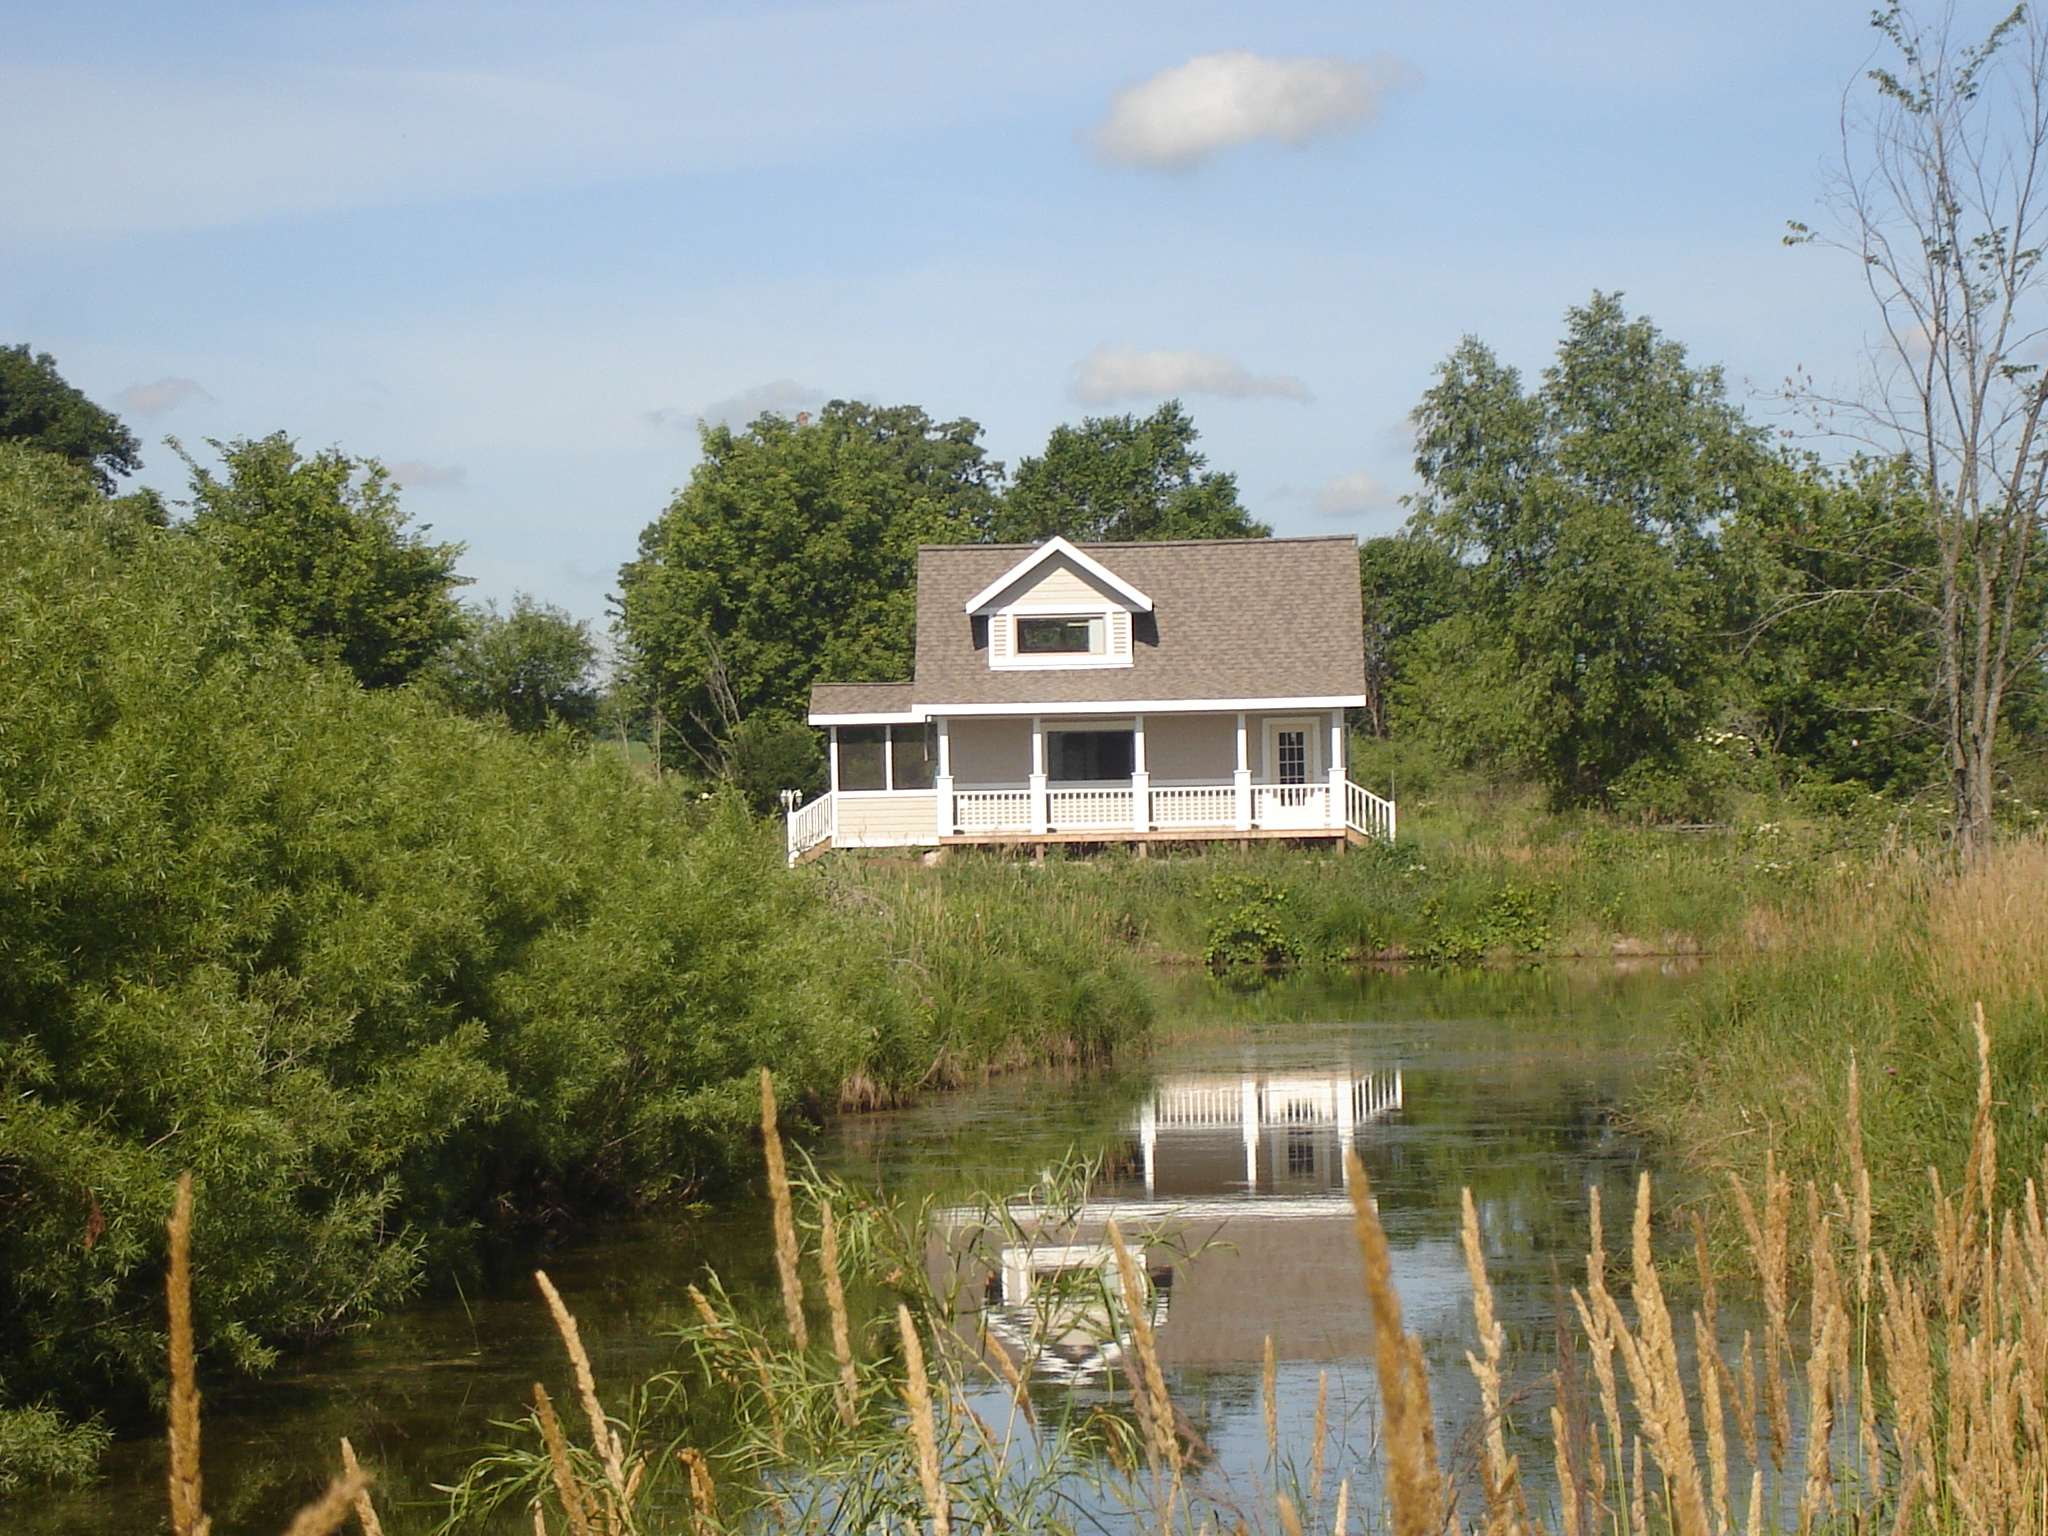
(1481, 873)
(1888, 971)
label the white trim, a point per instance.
(1012, 658)
(1025, 708)
(1046, 551)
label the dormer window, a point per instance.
(1087, 635)
(1057, 607)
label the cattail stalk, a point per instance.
(703, 1493)
(366, 1512)
(187, 1517)
(568, 1487)
(1414, 1478)
(1315, 1475)
(917, 1393)
(603, 1438)
(848, 1393)
(784, 1214)
(324, 1515)
(1499, 1473)
(1165, 1442)
(1270, 1381)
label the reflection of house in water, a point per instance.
(1274, 1133)
(1243, 1219)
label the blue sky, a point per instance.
(518, 250)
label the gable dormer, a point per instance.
(1057, 608)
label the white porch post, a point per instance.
(832, 756)
(1037, 775)
(1241, 780)
(942, 781)
(1248, 1119)
(1141, 780)
(1337, 770)
(1347, 1130)
(1148, 1143)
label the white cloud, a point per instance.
(1119, 373)
(785, 397)
(1353, 496)
(1183, 116)
(418, 472)
(163, 395)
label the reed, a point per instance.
(835, 1306)
(187, 1516)
(1414, 1476)
(917, 1393)
(365, 1511)
(784, 1217)
(1500, 1472)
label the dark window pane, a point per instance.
(1072, 755)
(1052, 637)
(916, 755)
(861, 764)
(1293, 753)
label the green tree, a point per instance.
(322, 552)
(1841, 664)
(1589, 512)
(1117, 478)
(791, 556)
(1409, 583)
(531, 667)
(39, 409)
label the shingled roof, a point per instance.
(1231, 619)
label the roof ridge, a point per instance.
(1293, 538)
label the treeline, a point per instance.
(1612, 583)
(277, 909)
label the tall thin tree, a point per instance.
(1941, 193)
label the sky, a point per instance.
(517, 252)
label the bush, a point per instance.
(378, 975)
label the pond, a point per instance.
(1233, 1128)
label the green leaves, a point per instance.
(320, 549)
(38, 409)
(1587, 514)
(1118, 478)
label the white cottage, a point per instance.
(1152, 692)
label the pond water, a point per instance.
(1231, 1132)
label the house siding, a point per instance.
(1200, 748)
(990, 751)
(886, 821)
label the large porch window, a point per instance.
(883, 757)
(1081, 756)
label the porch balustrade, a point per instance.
(1116, 812)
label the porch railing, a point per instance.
(1320, 807)
(810, 825)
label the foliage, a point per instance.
(1249, 927)
(1588, 512)
(791, 556)
(1119, 478)
(1841, 667)
(531, 668)
(320, 549)
(40, 410)
(38, 1445)
(378, 975)
(1407, 583)
(766, 754)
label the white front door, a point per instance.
(1292, 793)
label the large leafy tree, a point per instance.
(530, 667)
(790, 556)
(1588, 511)
(39, 409)
(1121, 478)
(323, 552)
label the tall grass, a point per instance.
(1885, 973)
(1884, 1397)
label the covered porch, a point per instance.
(1038, 779)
